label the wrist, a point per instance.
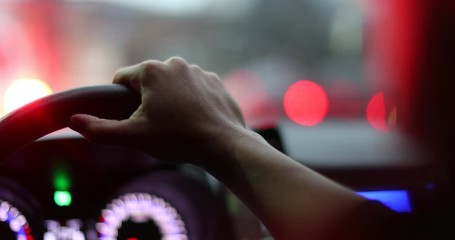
(227, 146)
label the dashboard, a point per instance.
(62, 187)
(66, 188)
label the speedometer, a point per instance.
(141, 216)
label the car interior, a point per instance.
(357, 90)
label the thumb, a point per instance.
(98, 130)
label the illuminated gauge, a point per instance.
(141, 216)
(20, 213)
(163, 205)
(13, 224)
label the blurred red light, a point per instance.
(306, 103)
(376, 113)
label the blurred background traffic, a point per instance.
(256, 46)
(303, 65)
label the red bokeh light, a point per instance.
(306, 103)
(376, 113)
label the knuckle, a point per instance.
(213, 78)
(213, 75)
(178, 62)
(196, 68)
(151, 66)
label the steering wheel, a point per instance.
(52, 113)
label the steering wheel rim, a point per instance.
(51, 113)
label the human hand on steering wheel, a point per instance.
(185, 114)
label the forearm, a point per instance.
(292, 200)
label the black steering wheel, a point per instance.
(52, 113)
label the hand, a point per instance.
(185, 114)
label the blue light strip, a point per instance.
(397, 200)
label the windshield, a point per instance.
(72, 43)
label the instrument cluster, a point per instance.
(69, 189)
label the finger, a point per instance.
(139, 75)
(103, 131)
(128, 76)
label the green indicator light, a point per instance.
(61, 180)
(62, 198)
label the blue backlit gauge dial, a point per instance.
(13, 224)
(140, 216)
